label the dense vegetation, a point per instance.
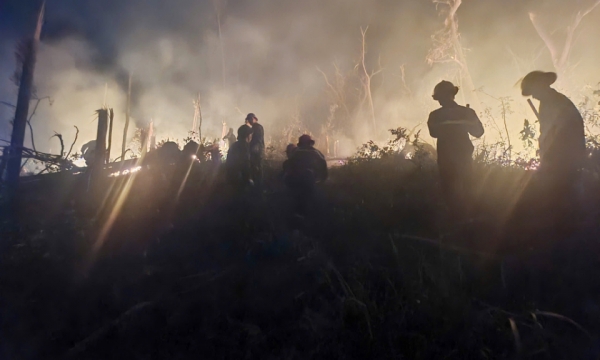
(377, 270)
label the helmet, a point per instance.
(444, 88)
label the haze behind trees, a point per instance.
(271, 56)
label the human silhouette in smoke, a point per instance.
(238, 165)
(562, 135)
(257, 149)
(451, 125)
(230, 138)
(561, 144)
(305, 168)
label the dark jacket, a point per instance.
(307, 162)
(562, 135)
(238, 163)
(453, 137)
(257, 145)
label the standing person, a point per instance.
(230, 138)
(238, 166)
(562, 135)
(561, 142)
(257, 149)
(289, 150)
(305, 168)
(451, 125)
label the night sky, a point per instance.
(272, 50)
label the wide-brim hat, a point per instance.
(444, 88)
(305, 140)
(537, 79)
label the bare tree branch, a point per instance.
(73, 144)
(367, 78)
(62, 143)
(560, 59)
(38, 101)
(8, 104)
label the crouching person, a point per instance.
(238, 165)
(305, 168)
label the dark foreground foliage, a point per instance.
(375, 271)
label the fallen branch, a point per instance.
(564, 318)
(81, 347)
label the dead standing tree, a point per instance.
(338, 106)
(197, 122)
(28, 52)
(560, 50)
(219, 6)
(127, 114)
(366, 78)
(447, 48)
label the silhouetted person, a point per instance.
(190, 150)
(88, 152)
(238, 165)
(561, 141)
(289, 150)
(230, 138)
(305, 168)
(257, 149)
(451, 125)
(215, 155)
(562, 136)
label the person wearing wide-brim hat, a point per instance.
(451, 125)
(562, 135)
(562, 147)
(305, 168)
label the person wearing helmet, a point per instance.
(306, 167)
(237, 165)
(257, 149)
(451, 125)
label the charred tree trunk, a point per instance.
(100, 152)
(110, 131)
(197, 123)
(22, 110)
(144, 143)
(127, 111)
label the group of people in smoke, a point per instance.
(561, 144)
(304, 168)
(561, 147)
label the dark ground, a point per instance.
(375, 271)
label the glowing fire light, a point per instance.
(126, 171)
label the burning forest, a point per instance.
(304, 180)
